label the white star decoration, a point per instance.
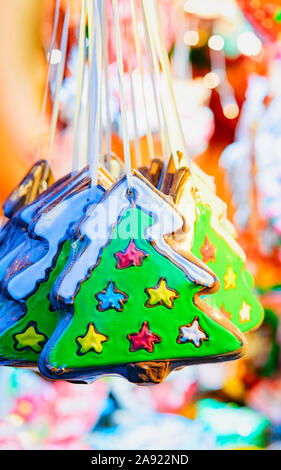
(192, 333)
(245, 312)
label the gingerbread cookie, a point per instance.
(211, 238)
(129, 303)
(27, 317)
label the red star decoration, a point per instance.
(208, 251)
(225, 313)
(144, 339)
(132, 256)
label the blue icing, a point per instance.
(111, 297)
(10, 312)
(51, 228)
(27, 264)
(11, 236)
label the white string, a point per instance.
(140, 67)
(79, 90)
(60, 74)
(99, 79)
(165, 60)
(166, 147)
(94, 121)
(136, 133)
(124, 118)
(104, 33)
(46, 88)
(170, 141)
(159, 41)
(90, 13)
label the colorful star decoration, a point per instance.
(192, 333)
(230, 279)
(132, 256)
(245, 312)
(30, 338)
(161, 294)
(111, 297)
(91, 341)
(208, 251)
(225, 313)
(144, 339)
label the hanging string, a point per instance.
(90, 9)
(165, 143)
(90, 13)
(104, 35)
(98, 6)
(164, 60)
(60, 74)
(140, 68)
(136, 133)
(94, 121)
(170, 140)
(46, 88)
(124, 117)
(79, 89)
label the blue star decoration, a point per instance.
(111, 298)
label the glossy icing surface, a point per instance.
(97, 230)
(235, 298)
(139, 332)
(23, 339)
(28, 320)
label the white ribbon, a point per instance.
(60, 74)
(124, 117)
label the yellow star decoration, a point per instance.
(30, 339)
(92, 340)
(245, 312)
(161, 294)
(230, 279)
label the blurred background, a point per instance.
(225, 57)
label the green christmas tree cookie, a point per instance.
(130, 304)
(28, 318)
(22, 342)
(211, 238)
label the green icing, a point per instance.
(231, 299)
(38, 320)
(115, 325)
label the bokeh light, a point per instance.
(216, 42)
(191, 38)
(249, 44)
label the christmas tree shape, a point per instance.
(211, 238)
(15, 243)
(27, 317)
(129, 303)
(27, 199)
(36, 181)
(18, 246)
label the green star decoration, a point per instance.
(30, 338)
